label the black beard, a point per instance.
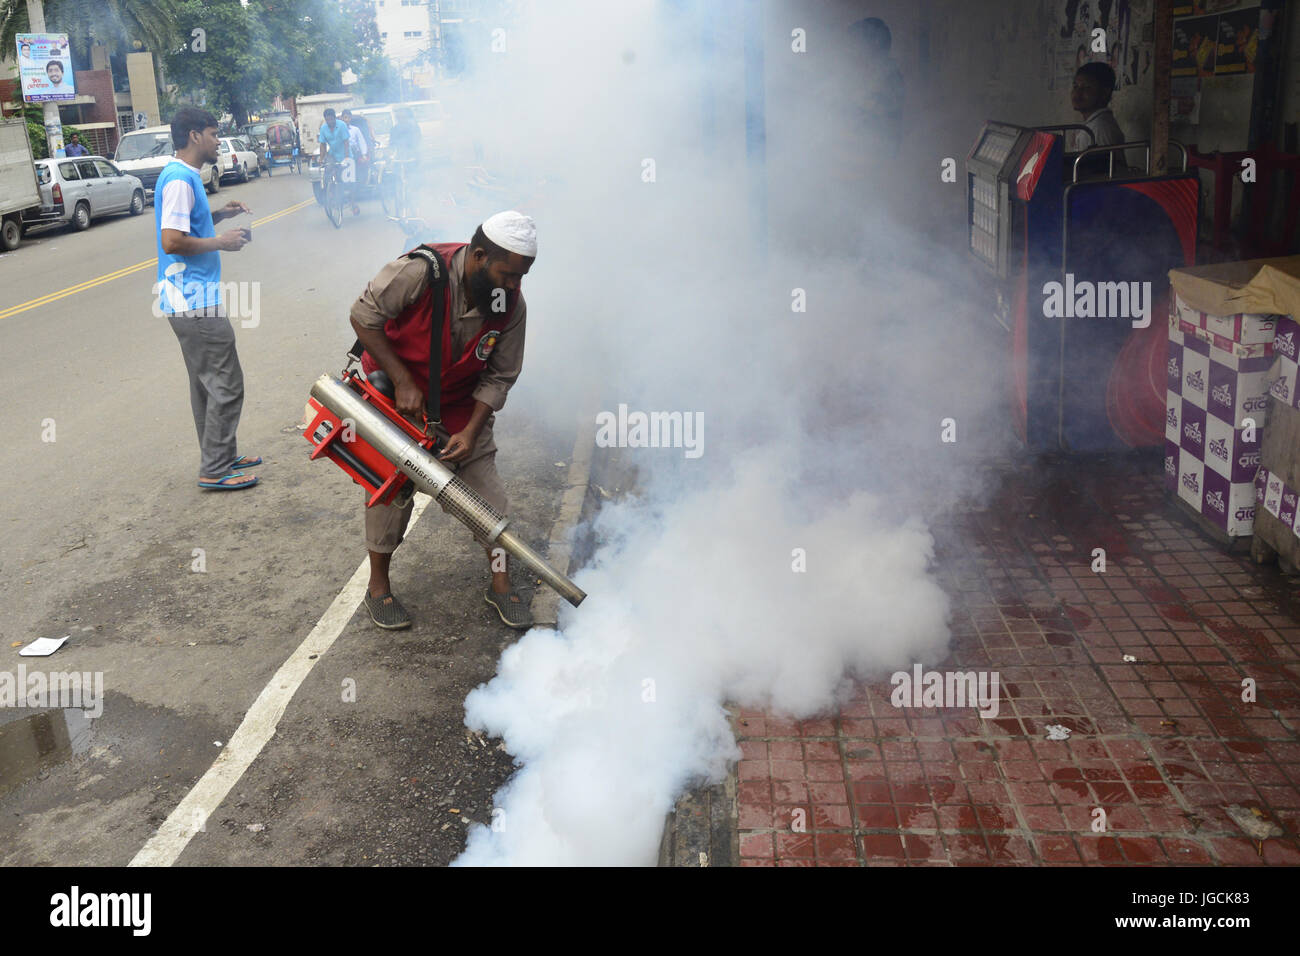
(481, 288)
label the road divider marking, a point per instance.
(283, 212)
(259, 724)
(79, 287)
(121, 273)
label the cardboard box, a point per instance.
(1227, 386)
(1232, 341)
(1276, 531)
(1280, 448)
(1255, 286)
(1215, 407)
(1235, 349)
(1285, 374)
(1229, 506)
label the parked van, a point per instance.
(144, 152)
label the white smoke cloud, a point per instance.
(695, 604)
(822, 432)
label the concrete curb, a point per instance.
(559, 552)
(703, 829)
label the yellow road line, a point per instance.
(283, 212)
(120, 273)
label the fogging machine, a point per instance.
(355, 424)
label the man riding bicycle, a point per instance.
(334, 138)
(362, 141)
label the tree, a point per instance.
(35, 118)
(124, 26)
(249, 54)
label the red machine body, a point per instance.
(366, 466)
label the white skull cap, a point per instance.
(514, 232)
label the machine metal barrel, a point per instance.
(437, 480)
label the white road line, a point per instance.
(258, 724)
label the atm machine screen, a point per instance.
(990, 172)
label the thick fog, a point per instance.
(777, 300)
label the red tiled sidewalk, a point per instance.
(1162, 744)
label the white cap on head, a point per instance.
(514, 232)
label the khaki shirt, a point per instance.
(398, 286)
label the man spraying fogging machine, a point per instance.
(466, 297)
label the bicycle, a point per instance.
(332, 193)
(397, 189)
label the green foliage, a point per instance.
(124, 26)
(378, 79)
(34, 114)
(246, 55)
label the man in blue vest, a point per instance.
(189, 294)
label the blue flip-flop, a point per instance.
(219, 484)
(246, 462)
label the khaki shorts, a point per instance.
(386, 524)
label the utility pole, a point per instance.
(53, 124)
(1163, 54)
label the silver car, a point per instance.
(82, 188)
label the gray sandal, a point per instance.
(512, 608)
(387, 612)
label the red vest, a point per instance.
(409, 335)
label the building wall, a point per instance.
(962, 63)
(144, 89)
(96, 83)
(99, 84)
(395, 18)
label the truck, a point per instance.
(18, 188)
(311, 114)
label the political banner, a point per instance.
(45, 67)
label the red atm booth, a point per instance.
(1083, 378)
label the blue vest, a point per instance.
(187, 282)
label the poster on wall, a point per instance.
(1075, 43)
(45, 67)
(1195, 42)
(1197, 8)
(1238, 42)
(1185, 101)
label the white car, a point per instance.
(237, 161)
(81, 188)
(144, 152)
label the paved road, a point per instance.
(98, 537)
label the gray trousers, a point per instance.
(216, 385)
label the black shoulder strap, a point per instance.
(436, 276)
